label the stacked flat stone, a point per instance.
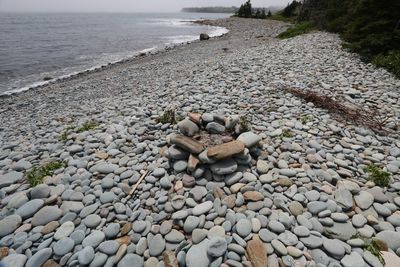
(189, 154)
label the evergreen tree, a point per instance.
(263, 16)
(269, 14)
(258, 14)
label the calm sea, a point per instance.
(36, 46)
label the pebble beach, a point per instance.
(291, 189)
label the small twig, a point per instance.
(135, 186)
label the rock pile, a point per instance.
(207, 147)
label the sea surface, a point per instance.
(38, 46)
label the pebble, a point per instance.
(243, 227)
(86, 255)
(9, 224)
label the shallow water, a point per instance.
(36, 46)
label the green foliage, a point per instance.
(245, 124)
(286, 134)
(378, 176)
(89, 125)
(375, 247)
(36, 175)
(291, 10)
(391, 62)
(64, 135)
(169, 116)
(306, 118)
(245, 10)
(297, 29)
(278, 16)
(269, 14)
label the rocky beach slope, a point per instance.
(292, 190)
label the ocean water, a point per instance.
(34, 46)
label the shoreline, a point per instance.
(125, 187)
(139, 54)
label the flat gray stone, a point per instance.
(63, 246)
(174, 236)
(276, 226)
(391, 238)
(104, 168)
(14, 260)
(215, 128)
(93, 239)
(217, 247)
(334, 248)
(10, 178)
(109, 247)
(64, 230)
(249, 139)
(188, 127)
(364, 200)
(86, 255)
(40, 191)
(112, 230)
(131, 260)
(224, 167)
(243, 227)
(92, 221)
(156, 245)
(344, 198)
(39, 258)
(29, 208)
(9, 224)
(342, 231)
(202, 208)
(279, 247)
(46, 215)
(197, 255)
(107, 197)
(353, 260)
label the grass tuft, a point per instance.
(375, 246)
(169, 116)
(286, 134)
(245, 125)
(36, 175)
(378, 176)
(297, 29)
(89, 125)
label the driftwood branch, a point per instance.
(354, 114)
(136, 186)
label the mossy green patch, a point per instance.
(36, 175)
(378, 176)
(297, 29)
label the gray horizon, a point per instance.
(121, 6)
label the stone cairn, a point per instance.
(207, 146)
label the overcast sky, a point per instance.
(120, 5)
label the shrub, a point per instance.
(390, 61)
(36, 175)
(297, 29)
(378, 176)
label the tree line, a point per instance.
(247, 11)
